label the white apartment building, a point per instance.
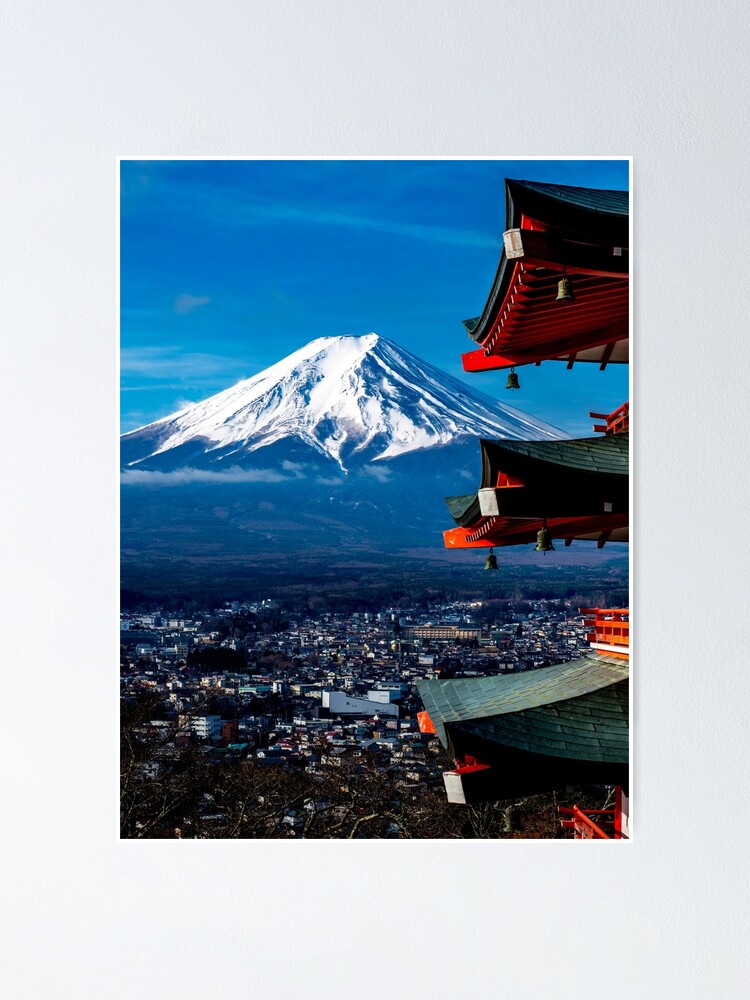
(205, 727)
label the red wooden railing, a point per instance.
(616, 422)
(583, 827)
(608, 625)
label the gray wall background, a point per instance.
(85, 82)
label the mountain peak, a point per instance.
(352, 399)
(348, 341)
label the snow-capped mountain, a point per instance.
(347, 400)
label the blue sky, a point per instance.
(227, 266)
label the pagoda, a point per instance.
(520, 734)
(570, 489)
(561, 292)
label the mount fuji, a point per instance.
(341, 454)
(339, 403)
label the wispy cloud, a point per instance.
(161, 362)
(150, 388)
(181, 477)
(186, 303)
(377, 472)
(239, 208)
(279, 211)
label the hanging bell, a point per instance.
(491, 561)
(544, 540)
(565, 289)
(512, 382)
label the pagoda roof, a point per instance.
(523, 733)
(501, 531)
(579, 486)
(474, 698)
(593, 727)
(556, 227)
(601, 455)
(533, 197)
(465, 508)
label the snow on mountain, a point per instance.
(351, 399)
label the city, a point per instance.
(308, 705)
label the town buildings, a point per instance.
(317, 689)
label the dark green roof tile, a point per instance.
(473, 698)
(603, 455)
(595, 200)
(584, 209)
(559, 730)
(464, 509)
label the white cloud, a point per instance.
(148, 388)
(186, 303)
(377, 472)
(182, 404)
(180, 477)
(239, 209)
(158, 362)
(245, 212)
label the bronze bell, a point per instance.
(491, 561)
(565, 290)
(544, 541)
(512, 382)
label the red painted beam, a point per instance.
(455, 538)
(522, 531)
(520, 353)
(566, 320)
(582, 824)
(425, 723)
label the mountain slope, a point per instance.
(347, 401)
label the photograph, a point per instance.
(375, 498)
(317, 406)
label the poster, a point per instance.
(375, 564)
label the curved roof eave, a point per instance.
(464, 699)
(602, 455)
(591, 727)
(605, 206)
